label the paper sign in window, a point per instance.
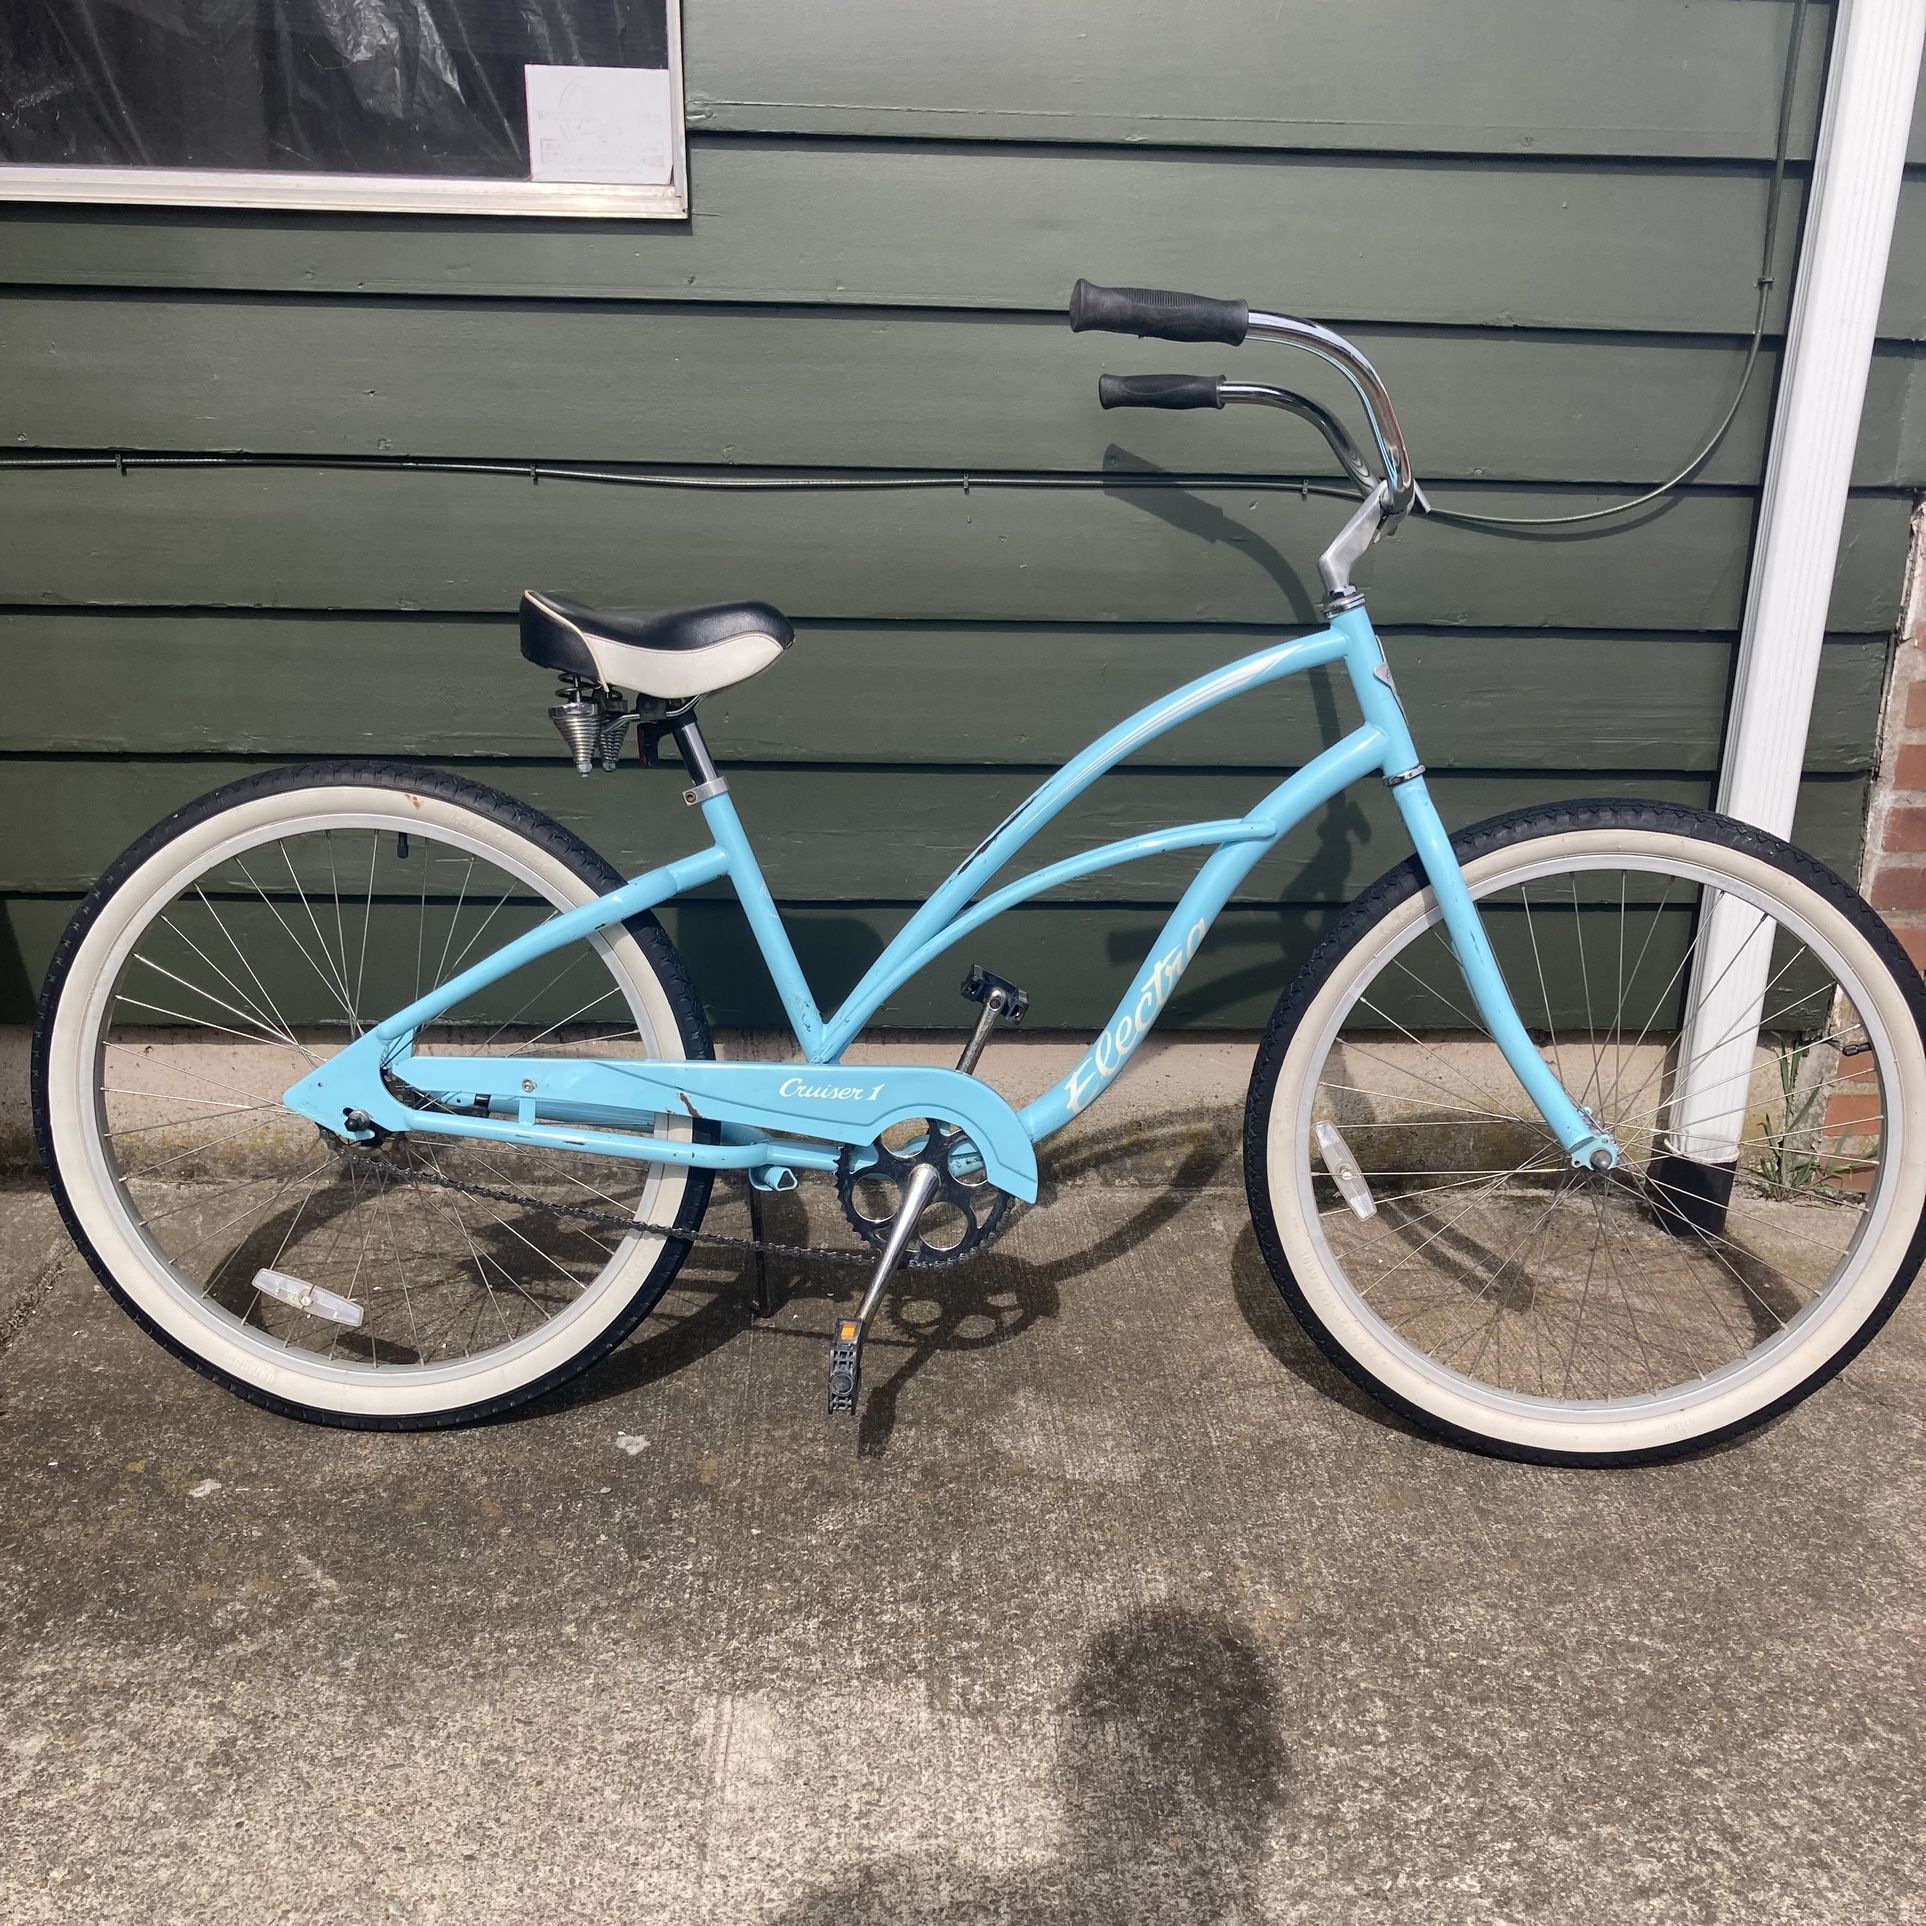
(603, 125)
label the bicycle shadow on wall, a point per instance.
(1341, 823)
(1171, 1776)
(1156, 491)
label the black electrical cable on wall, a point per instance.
(536, 472)
(539, 471)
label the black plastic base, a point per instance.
(979, 983)
(1689, 1198)
(766, 1298)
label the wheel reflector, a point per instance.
(1344, 1171)
(307, 1297)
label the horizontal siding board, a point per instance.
(1529, 244)
(858, 389)
(1909, 427)
(825, 835)
(394, 540)
(1633, 78)
(459, 688)
(1076, 961)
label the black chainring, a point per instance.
(964, 1212)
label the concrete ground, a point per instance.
(1115, 1605)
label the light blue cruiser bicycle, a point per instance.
(384, 1101)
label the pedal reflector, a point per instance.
(1344, 1171)
(307, 1297)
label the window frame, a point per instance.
(257, 189)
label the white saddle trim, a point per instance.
(676, 674)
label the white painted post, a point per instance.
(1822, 386)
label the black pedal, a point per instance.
(978, 985)
(845, 1368)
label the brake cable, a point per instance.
(1774, 196)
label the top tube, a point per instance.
(887, 974)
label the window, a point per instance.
(404, 106)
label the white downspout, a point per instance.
(1851, 206)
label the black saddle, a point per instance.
(673, 654)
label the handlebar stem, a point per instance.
(1334, 567)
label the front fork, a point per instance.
(1589, 1146)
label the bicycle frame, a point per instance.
(555, 1102)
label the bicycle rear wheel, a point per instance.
(245, 940)
(1431, 1233)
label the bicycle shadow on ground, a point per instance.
(992, 1301)
(978, 1305)
(1171, 1776)
(1274, 1326)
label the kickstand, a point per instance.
(762, 1297)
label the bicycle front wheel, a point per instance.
(243, 942)
(1431, 1233)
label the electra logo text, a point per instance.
(829, 1092)
(1112, 1050)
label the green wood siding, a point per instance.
(818, 829)
(1482, 699)
(1696, 79)
(1213, 552)
(1667, 246)
(1540, 219)
(779, 387)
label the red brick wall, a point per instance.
(1893, 874)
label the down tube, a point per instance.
(1183, 934)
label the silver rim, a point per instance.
(1511, 1295)
(246, 952)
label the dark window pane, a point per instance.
(407, 87)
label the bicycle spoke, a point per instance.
(240, 956)
(274, 910)
(1595, 1082)
(257, 1036)
(198, 1023)
(268, 1021)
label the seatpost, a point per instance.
(703, 777)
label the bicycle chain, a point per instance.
(608, 1220)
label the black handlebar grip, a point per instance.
(1156, 311)
(1159, 391)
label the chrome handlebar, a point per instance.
(1335, 351)
(1319, 416)
(1191, 317)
